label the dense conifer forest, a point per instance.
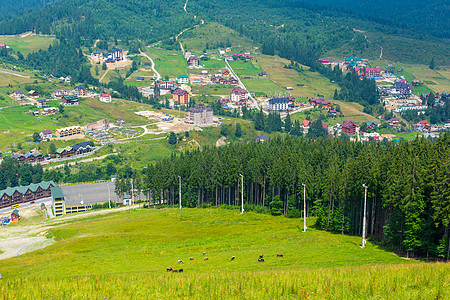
(408, 200)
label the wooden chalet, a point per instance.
(23, 194)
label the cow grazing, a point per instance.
(261, 256)
(180, 271)
(175, 271)
(180, 261)
(205, 258)
(280, 255)
(260, 259)
(204, 253)
(169, 269)
(191, 258)
(232, 258)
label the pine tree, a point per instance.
(238, 133)
(287, 124)
(172, 138)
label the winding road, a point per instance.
(158, 76)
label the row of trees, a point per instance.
(13, 174)
(408, 196)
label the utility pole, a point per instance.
(304, 207)
(132, 191)
(179, 190)
(242, 193)
(109, 195)
(364, 218)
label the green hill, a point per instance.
(112, 255)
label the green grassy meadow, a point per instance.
(168, 63)
(245, 67)
(125, 254)
(27, 44)
(214, 33)
(213, 64)
(305, 84)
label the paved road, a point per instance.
(241, 84)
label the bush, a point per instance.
(276, 206)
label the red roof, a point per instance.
(106, 95)
(306, 123)
(348, 124)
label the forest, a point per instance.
(408, 196)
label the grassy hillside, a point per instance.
(27, 43)
(168, 63)
(104, 255)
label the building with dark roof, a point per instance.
(82, 148)
(238, 95)
(69, 100)
(401, 89)
(278, 104)
(31, 157)
(200, 115)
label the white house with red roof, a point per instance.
(105, 98)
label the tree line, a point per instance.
(408, 200)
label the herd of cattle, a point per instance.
(205, 258)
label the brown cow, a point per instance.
(175, 270)
(261, 256)
(169, 269)
(280, 255)
(191, 258)
(204, 253)
(205, 258)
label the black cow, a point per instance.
(232, 258)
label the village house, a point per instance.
(263, 74)
(68, 79)
(45, 134)
(18, 95)
(15, 216)
(33, 94)
(372, 72)
(65, 152)
(239, 95)
(30, 157)
(41, 103)
(68, 100)
(59, 93)
(105, 98)
(353, 60)
(23, 194)
(323, 61)
(193, 61)
(225, 72)
(422, 126)
(167, 85)
(67, 131)
(81, 90)
(200, 115)
(393, 122)
(320, 102)
(305, 124)
(48, 111)
(278, 104)
(262, 139)
(181, 96)
(334, 112)
(183, 79)
(82, 148)
(401, 89)
(117, 54)
(349, 127)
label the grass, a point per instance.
(214, 89)
(241, 67)
(213, 64)
(27, 44)
(437, 80)
(214, 33)
(125, 254)
(168, 63)
(17, 126)
(262, 86)
(305, 84)
(14, 80)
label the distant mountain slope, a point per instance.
(9, 7)
(431, 16)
